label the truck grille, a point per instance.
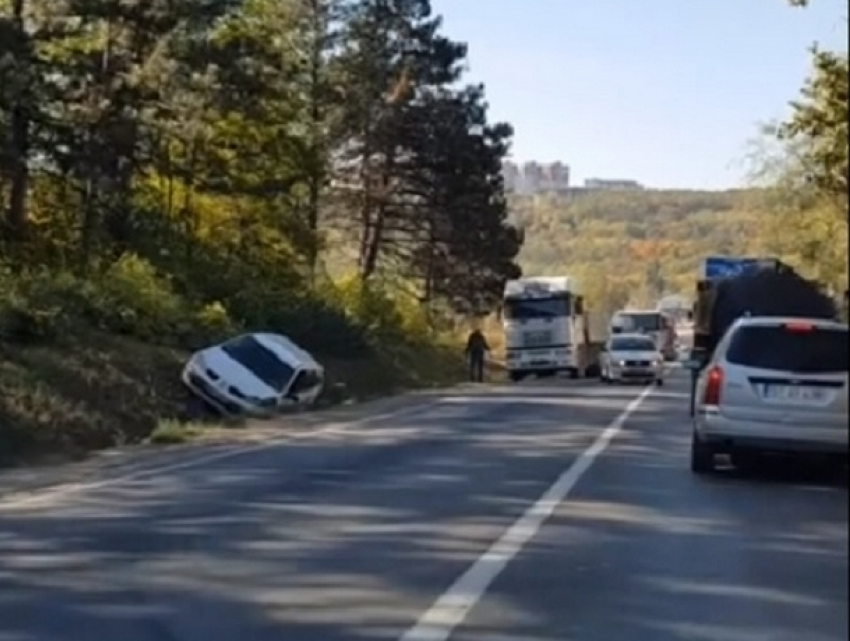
(537, 339)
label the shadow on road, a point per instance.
(345, 536)
(645, 550)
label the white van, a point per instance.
(651, 322)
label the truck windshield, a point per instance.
(648, 322)
(531, 308)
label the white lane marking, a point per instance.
(452, 607)
(36, 497)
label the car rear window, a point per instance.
(816, 351)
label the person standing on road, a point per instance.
(476, 350)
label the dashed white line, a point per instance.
(452, 607)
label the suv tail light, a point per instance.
(713, 383)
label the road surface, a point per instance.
(556, 510)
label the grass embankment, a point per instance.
(85, 367)
(96, 390)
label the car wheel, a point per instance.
(743, 461)
(516, 377)
(702, 456)
(659, 382)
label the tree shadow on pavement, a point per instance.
(344, 535)
(645, 550)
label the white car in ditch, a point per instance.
(254, 374)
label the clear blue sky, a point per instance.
(667, 92)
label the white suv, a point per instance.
(773, 385)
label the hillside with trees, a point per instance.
(634, 246)
(174, 172)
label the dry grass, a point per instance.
(88, 393)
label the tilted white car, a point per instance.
(631, 357)
(254, 374)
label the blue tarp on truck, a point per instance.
(717, 267)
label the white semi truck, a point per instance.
(547, 329)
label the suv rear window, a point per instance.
(819, 351)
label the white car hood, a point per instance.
(235, 374)
(631, 355)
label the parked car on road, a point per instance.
(773, 385)
(632, 357)
(254, 374)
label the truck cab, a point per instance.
(543, 321)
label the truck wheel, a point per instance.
(572, 373)
(516, 377)
(702, 456)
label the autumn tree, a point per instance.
(819, 123)
(393, 56)
(224, 142)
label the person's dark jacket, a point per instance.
(476, 344)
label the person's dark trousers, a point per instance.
(476, 368)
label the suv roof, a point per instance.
(775, 321)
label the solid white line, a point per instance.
(450, 609)
(43, 495)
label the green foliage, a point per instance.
(819, 121)
(223, 141)
(129, 298)
(806, 208)
(173, 172)
(633, 247)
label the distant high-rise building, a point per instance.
(511, 176)
(533, 177)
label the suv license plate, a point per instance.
(794, 393)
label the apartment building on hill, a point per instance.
(535, 178)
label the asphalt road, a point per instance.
(530, 512)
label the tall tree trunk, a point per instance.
(16, 216)
(317, 174)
